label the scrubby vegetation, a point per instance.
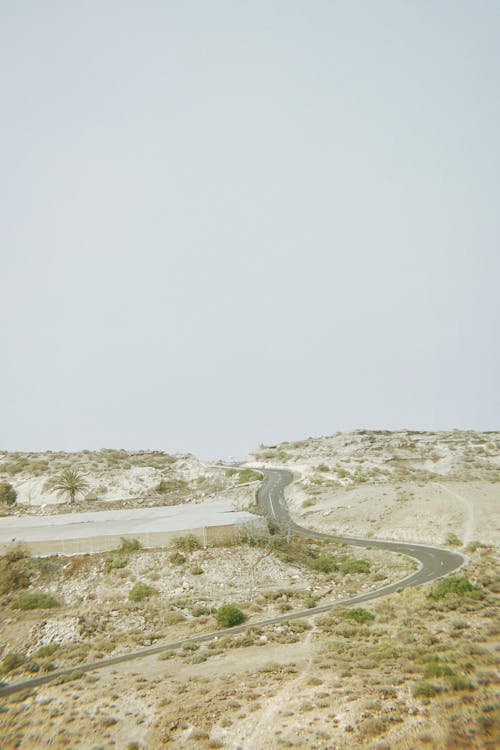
(229, 615)
(325, 564)
(417, 667)
(115, 562)
(377, 662)
(354, 565)
(455, 585)
(15, 570)
(130, 545)
(376, 456)
(8, 494)
(139, 592)
(359, 615)
(244, 476)
(11, 661)
(424, 690)
(187, 543)
(177, 558)
(34, 600)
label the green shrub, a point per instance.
(436, 669)
(14, 467)
(359, 615)
(453, 540)
(457, 683)
(65, 677)
(177, 558)
(44, 651)
(273, 527)
(458, 585)
(190, 646)
(8, 495)
(172, 617)
(129, 545)
(16, 552)
(229, 615)
(324, 564)
(424, 690)
(114, 563)
(187, 543)
(14, 575)
(322, 467)
(46, 666)
(139, 592)
(34, 600)
(11, 661)
(39, 467)
(248, 475)
(309, 602)
(353, 565)
(199, 610)
(170, 486)
(473, 546)
(196, 570)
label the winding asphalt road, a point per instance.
(433, 562)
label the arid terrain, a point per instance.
(114, 478)
(417, 669)
(410, 486)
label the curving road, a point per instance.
(434, 563)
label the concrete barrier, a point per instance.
(76, 534)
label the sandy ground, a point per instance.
(420, 512)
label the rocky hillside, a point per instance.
(351, 458)
(112, 476)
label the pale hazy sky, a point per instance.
(225, 223)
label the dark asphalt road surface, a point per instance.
(434, 563)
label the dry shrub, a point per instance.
(373, 727)
(14, 574)
(77, 563)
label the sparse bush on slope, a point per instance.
(34, 600)
(139, 592)
(229, 615)
(8, 495)
(11, 661)
(458, 585)
(359, 615)
(353, 565)
(15, 569)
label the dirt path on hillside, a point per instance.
(257, 733)
(470, 520)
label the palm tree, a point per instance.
(69, 483)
